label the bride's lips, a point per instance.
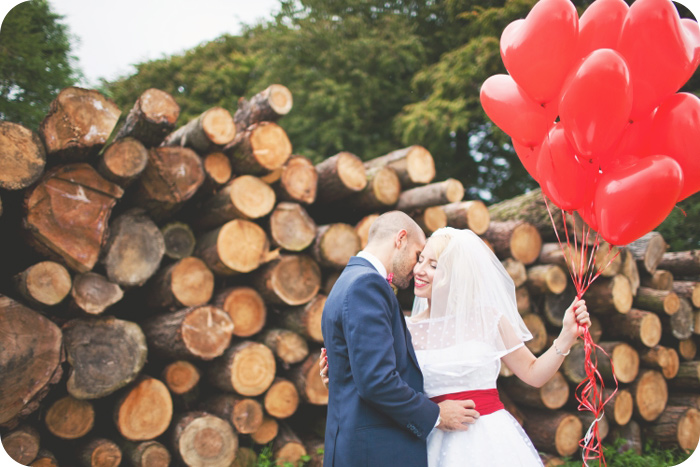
(418, 283)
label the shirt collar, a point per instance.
(374, 261)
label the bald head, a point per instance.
(385, 227)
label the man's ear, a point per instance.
(401, 238)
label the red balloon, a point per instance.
(600, 26)
(513, 111)
(658, 51)
(632, 145)
(675, 132)
(692, 32)
(540, 50)
(562, 177)
(595, 106)
(528, 156)
(635, 199)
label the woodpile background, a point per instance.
(161, 289)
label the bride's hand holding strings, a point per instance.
(575, 320)
(323, 365)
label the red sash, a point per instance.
(486, 400)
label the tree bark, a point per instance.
(43, 284)
(245, 414)
(93, 293)
(290, 280)
(555, 306)
(610, 295)
(308, 381)
(414, 165)
(105, 354)
(434, 194)
(624, 359)
(298, 181)
(134, 249)
(516, 270)
(100, 452)
(246, 197)
(557, 432)
(289, 346)
(123, 161)
(620, 406)
(648, 251)
(269, 105)
(44, 459)
(636, 326)
(661, 358)
(179, 240)
(203, 439)
(677, 426)
(552, 395)
(687, 349)
(659, 280)
(340, 176)
(287, 447)
(515, 239)
(306, 319)
(172, 176)
(151, 118)
(681, 263)
(236, 247)
(30, 360)
(209, 132)
(381, 193)
(247, 368)
(537, 328)
(201, 332)
(650, 394)
(680, 324)
(472, 215)
(67, 213)
(187, 282)
(430, 219)
(690, 290)
(245, 307)
(22, 156)
(546, 279)
(630, 270)
(688, 377)
(261, 148)
(70, 418)
(281, 399)
(78, 124)
(659, 301)
(144, 411)
(291, 227)
(22, 444)
(335, 244)
(631, 433)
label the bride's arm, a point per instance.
(536, 371)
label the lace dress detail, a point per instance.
(494, 440)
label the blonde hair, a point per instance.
(439, 242)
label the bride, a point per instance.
(464, 323)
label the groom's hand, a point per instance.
(457, 415)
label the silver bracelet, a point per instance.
(559, 352)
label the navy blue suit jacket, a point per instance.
(377, 413)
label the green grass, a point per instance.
(652, 456)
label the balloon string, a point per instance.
(589, 393)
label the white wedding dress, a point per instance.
(494, 440)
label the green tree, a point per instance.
(214, 74)
(35, 62)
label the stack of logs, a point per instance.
(162, 289)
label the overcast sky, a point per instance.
(114, 35)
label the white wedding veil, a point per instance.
(474, 318)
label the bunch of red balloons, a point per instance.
(593, 109)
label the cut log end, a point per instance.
(299, 180)
(46, 282)
(252, 197)
(351, 171)
(124, 160)
(218, 125)
(181, 377)
(246, 308)
(159, 106)
(192, 283)
(282, 399)
(280, 99)
(218, 167)
(386, 187)
(70, 418)
(145, 411)
(22, 157)
(204, 439)
(526, 243)
(420, 165)
(270, 145)
(336, 244)
(252, 368)
(179, 240)
(207, 331)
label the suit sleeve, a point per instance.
(367, 321)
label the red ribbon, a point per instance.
(486, 400)
(589, 393)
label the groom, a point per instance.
(377, 413)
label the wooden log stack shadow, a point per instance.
(164, 286)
